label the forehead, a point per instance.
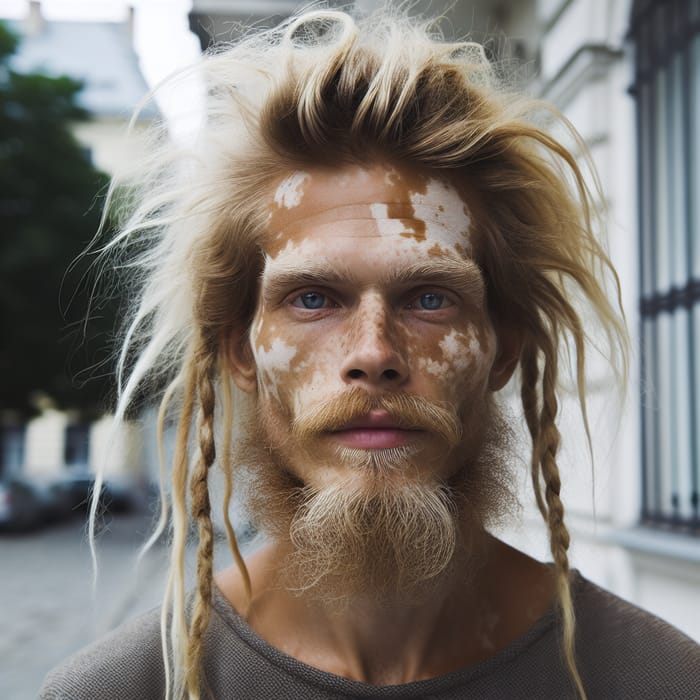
(379, 200)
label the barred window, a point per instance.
(666, 36)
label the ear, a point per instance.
(240, 361)
(509, 345)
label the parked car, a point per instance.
(22, 504)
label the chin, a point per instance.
(385, 523)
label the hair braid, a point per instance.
(540, 413)
(530, 402)
(547, 448)
(205, 361)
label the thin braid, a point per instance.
(529, 398)
(559, 539)
(201, 513)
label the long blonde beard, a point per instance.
(382, 532)
(378, 542)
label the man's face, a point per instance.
(369, 295)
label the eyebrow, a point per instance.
(461, 275)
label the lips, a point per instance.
(374, 430)
(374, 420)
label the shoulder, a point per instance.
(624, 651)
(126, 664)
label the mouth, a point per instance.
(376, 430)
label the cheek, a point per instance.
(274, 357)
(461, 362)
(295, 374)
(317, 377)
(274, 361)
(311, 389)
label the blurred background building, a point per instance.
(627, 75)
(100, 56)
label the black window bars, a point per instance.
(666, 40)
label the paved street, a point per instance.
(46, 600)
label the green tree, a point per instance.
(48, 214)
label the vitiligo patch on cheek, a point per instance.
(460, 353)
(273, 365)
(437, 369)
(460, 350)
(290, 191)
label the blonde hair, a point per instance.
(324, 88)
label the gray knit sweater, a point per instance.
(623, 652)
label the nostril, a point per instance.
(390, 373)
(355, 373)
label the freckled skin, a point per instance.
(373, 328)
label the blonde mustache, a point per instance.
(409, 411)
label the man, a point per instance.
(367, 243)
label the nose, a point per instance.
(375, 357)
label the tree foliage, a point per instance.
(49, 211)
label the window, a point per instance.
(11, 449)
(666, 36)
(76, 446)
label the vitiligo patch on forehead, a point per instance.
(435, 203)
(452, 212)
(290, 191)
(402, 202)
(449, 224)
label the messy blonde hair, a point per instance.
(324, 88)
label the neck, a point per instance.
(470, 614)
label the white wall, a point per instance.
(45, 444)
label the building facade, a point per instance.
(627, 74)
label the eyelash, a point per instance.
(310, 292)
(446, 301)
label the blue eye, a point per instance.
(431, 301)
(310, 300)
